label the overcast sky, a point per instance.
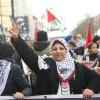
(69, 11)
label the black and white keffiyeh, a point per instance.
(66, 69)
(4, 72)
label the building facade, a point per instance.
(5, 13)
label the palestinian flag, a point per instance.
(53, 22)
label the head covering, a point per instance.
(6, 50)
(65, 68)
(61, 41)
(68, 38)
(42, 41)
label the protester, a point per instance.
(92, 52)
(96, 40)
(42, 45)
(72, 47)
(68, 38)
(58, 74)
(76, 47)
(80, 41)
(12, 81)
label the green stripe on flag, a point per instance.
(54, 22)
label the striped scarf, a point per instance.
(4, 72)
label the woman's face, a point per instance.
(58, 52)
(98, 42)
(93, 48)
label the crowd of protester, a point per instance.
(61, 67)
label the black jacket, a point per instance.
(16, 81)
(47, 79)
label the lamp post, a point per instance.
(1, 16)
(12, 7)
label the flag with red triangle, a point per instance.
(51, 17)
(88, 35)
(54, 23)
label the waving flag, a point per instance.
(54, 23)
(88, 35)
(51, 17)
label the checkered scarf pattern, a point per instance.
(4, 72)
(65, 67)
